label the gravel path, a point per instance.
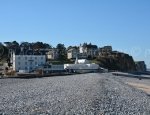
(90, 94)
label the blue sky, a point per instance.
(124, 24)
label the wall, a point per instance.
(27, 62)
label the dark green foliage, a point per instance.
(40, 45)
(62, 54)
(4, 53)
(16, 47)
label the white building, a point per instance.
(72, 53)
(27, 62)
(82, 66)
(88, 49)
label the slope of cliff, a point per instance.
(117, 61)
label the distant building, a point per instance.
(27, 62)
(88, 49)
(82, 61)
(52, 54)
(105, 50)
(82, 56)
(82, 66)
(72, 52)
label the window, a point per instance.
(35, 63)
(25, 63)
(18, 63)
(35, 57)
(41, 57)
(25, 58)
(18, 57)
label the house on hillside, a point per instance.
(52, 54)
(89, 50)
(105, 50)
(72, 52)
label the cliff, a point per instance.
(116, 61)
(140, 66)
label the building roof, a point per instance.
(83, 61)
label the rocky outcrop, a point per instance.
(140, 66)
(116, 61)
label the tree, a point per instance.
(38, 45)
(25, 45)
(41, 45)
(8, 44)
(69, 47)
(13, 46)
(62, 55)
(47, 46)
(3, 52)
